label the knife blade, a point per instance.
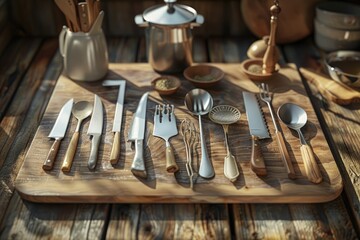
(136, 135)
(258, 130)
(58, 133)
(95, 130)
(115, 150)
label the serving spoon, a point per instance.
(81, 110)
(199, 102)
(295, 117)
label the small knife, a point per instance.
(258, 130)
(115, 151)
(95, 130)
(58, 133)
(136, 135)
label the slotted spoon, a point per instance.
(226, 115)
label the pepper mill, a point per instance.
(270, 58)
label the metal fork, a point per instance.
(266, 97)
(165, 128)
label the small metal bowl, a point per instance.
(344, 66)
(166, 84)
(203, 76)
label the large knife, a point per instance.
(95, 130)
(58, 133)
(136, 135)
(258, 130)
(115, 150)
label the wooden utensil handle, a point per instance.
(285, 155)
(50, 159)
(70, 152)
(257, 159)
(171, 165)
(115, 150)
(311, 168)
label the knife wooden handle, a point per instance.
(257, 159)
(171, 165)
(285, 155)
(115, 150)
(138, 164)
(83, 16)
(50, 159)
(70, 152)
(311, 168)
(94, 151)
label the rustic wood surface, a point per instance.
(20, 219)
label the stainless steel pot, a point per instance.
(168, 35)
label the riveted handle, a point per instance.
(50, 159)
(257, 159)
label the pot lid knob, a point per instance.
(170, 4)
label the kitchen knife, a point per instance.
(258, 130)
(136, 135)
(115, 151)
(58, 133)
(95, 130)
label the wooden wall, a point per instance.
(5, 27)
(43, 18)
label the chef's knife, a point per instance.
(58, 133)
(115, 151)
(136, 134)
(258, 130)
(95, 130)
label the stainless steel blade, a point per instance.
(62, 121)
(97, 118)
(137, 128)
(119, 103)
(255, 116)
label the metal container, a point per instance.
(168, 35)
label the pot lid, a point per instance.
(170, 14)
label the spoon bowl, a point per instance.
(199, 102)
(295, 117)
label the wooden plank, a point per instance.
(29, 101)
(25, 220)
(14, 63)
(293, 221)
(339, 123)
(160, 186)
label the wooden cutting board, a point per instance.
(109, 183)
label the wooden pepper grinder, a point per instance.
(270, 58)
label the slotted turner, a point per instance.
(165, 128)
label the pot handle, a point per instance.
(139, 20)
(198, 21)
(62, 40)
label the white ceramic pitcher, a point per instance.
(85, 54)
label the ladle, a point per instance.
(81, 110)
(226, 115)
(199, 102)
(295, 117)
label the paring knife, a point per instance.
(115, 151)
(58, 133)
(258, 130)
(95, 130)
(136, 135)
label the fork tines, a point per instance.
(164, 112)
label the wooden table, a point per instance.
(29, 71)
